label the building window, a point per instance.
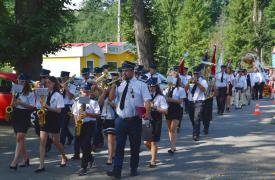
(90, 64)
(112, 66)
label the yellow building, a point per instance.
(76, 56)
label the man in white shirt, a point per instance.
(256, 81)
(68, 95)
(240, 85)
(153, 72)
(222, 87)
(131, 94)
(247, 91)
(196, 95)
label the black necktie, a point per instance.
(123, 97)
(222, 78)
(193, 90)
(48, 102)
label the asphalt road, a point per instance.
(239, 146)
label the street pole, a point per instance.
(119, 21)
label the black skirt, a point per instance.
(109, 126)
(174, 111)
(21, 120)
(52, 122)
(157, 124)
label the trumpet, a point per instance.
(79, 121)
(68, 81)
(10, 109)
(41, 113)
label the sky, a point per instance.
(77, 3)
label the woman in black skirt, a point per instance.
(158, 108)
(21, 120)
(54, 104)
(174, 97)
(108, 116)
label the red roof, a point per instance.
(77, 44)
(104, 44)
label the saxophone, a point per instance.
(41, 113)
(10, 109)
(79, 121)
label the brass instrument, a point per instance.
(68, 81)
(101, 79)
(79, 121)
(10, 109)
(41, 113)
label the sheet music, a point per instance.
(16, 88)
(84, 100)
(41, 91)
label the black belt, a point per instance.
(131, 118)
(194, 102)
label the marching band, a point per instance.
(119, 105)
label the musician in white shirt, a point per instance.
(240, 85)
(196, 89)
(153, 72)
(222, 87)
(256, 81)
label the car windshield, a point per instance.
(5, 85)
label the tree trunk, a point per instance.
(142, 34)
(29, 64)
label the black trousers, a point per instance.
(256, 88)
(221, 98)
(65, 119)
(86, 135)
(207, 112)
(261, 90)
(132, 129)
(195, 114)
(98, 138)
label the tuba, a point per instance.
(42, 112)
(10, 109)
(79, 121)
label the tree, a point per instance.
(36, 27)
(193, 30)
(142, 34)
(95, 22)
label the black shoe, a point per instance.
(109, 163)
(196, 138)
(82, 172)
(133, 172)
(117, 175)
(63, 165)
(13, 167)
(152, 165)
(227, 110)
(205, 131)
(26, 164)
(170, 151)
(39, 170)
(70, 140)
(75, 157)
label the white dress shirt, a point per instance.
(92, 107)
(160, 102)
(72, 90)
(240, 82)
(178, 93)
(184, 79)
(28, 99)
(198, 95)
(107, 110)
(218, 79)
(137, 94)
(56, 100)
(156, 75)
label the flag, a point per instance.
(181, 66)
(213, 68)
